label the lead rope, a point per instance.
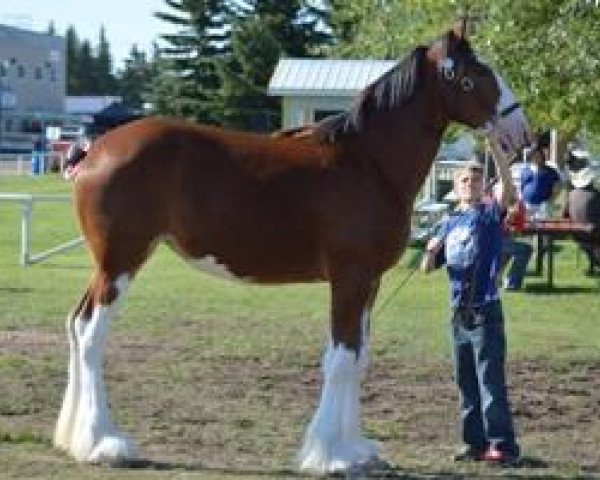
(396, 289)
(407, 277)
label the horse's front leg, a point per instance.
(333, 441)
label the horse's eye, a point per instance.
(467, 84)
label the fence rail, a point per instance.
(27, 202)
(24, 163)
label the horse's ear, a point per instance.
(464, 26)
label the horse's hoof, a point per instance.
(374, 467)
(114, 451)
(370, 466)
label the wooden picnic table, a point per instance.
(546, 232)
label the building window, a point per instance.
(8, 125)
(53, 75)
(13, 61)
(2, 69)
(31, 126)
(20, 71)
(38, 73)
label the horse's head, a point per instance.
(473, 94)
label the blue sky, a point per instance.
(126, 21)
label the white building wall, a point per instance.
(301, 110)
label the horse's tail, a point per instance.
(75, 155)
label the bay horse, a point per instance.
(330, 202)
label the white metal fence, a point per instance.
(26, 202)
(23, 164)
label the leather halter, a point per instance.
(508, 110)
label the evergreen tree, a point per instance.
(104, 79)
(263, 31)
(88, 73)
(245, 74)
(188, 83)
(216, 68)
(87, 70)
(73, 47)
(300, 26)
(135, 77)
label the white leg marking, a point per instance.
(68, 411)
(333, 440)
(94, 437)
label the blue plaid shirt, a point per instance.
(472, 250)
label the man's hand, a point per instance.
(431, 250)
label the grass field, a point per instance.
(217, 379)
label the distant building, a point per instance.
(32, 83)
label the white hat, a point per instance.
(580, 153)
(582, 178)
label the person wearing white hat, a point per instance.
(583, 203)
(581, 174)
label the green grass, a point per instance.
(216, 320)
(553, 323)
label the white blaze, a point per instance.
(509, 131)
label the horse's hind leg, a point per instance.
(84, 426)
(333, 441)
(66, 418)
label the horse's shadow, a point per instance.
(514, 471)
(158, 465)
(16, 290)
(391, 472)
(543, 288)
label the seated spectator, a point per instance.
(515, 253)
(583, 203)
(539, 182)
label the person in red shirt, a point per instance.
(517, 252)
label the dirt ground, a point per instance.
(192, 411)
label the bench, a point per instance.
(546, 232)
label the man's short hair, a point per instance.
(471, 165)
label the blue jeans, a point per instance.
(520, 253)
(479, 371)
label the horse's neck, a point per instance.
(406, 142)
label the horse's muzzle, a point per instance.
(509, 130)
